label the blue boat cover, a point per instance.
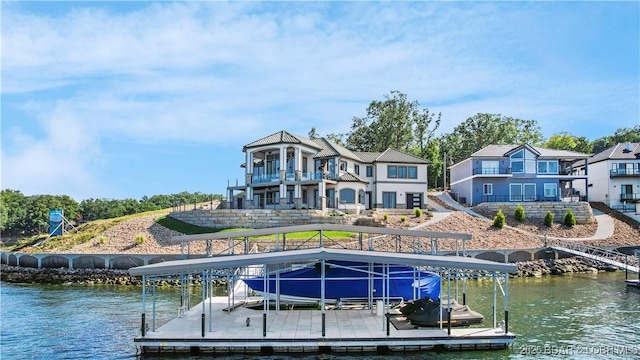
(405, 282)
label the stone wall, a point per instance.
(257, 219)
(537, 210)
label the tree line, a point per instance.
(398, 123)
(27, 215)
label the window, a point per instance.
(347, 196)
(369, 171)
(529, 192)
(550, 190)
(515, 192)
(402, 172)
(487, 189)
(389, 200)
(305, 167)
(356, 169)
(343, 165)
(548, 167)
(490, 167)
(361, 197)
(413, 172)
(517, 166)
(273, 197)
(530, 162)
(392, 171)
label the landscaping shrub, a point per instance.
(103, 239)
(569, 218)
(403, 218)
(519, 214)
(417, 212)
(385, 216)
(140, 239)
(548, 219)
(499, 220)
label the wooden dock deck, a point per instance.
(300, 331)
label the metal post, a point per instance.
(449, 302)
(264, 325)
(322, 291)
(153, 305)
(495, 300)
(387, 295)
(144, 300)
(506, 302)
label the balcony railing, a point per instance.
(528, 198)
(625, 172)
(630, 197)
(491, 171)
(265, 178)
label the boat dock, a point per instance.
(301, 331)
(224, 324)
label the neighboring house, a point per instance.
(285, 171)
(516, 173)
(614, 176)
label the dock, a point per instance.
(224, 325)
(300, 331)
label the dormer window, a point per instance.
(523, 161)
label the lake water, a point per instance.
(580, 316)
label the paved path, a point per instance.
(604, 230)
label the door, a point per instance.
(389, 200)
(529, 192)
(414, 201)
(239, 203)
(331, 198)
(626, 192)
(368, 200)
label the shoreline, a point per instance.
(90, 277)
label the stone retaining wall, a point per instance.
(537, 210)
(257, 219)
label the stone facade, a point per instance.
(257, 219)
(537, 210)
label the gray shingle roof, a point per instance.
(501, 150)
(281, 137)
(331, 149)
(368, 157)
(395, 156)
(620, 151)
(349, 177)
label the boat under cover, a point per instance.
(350, 280)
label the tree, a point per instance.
(621, 135)
(393, 123)
(13, 210)
(565, 141)
(313, 134)
(483, 129)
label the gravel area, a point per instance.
(121, 238)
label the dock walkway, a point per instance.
(301, 331)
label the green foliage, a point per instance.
(385, 216)
(102, 239)
(140, 239)
(565, 141)
(488, 129)
(548, 219)
(569, 218)
(403, 218)
(499, 220)
(417, 212)
(396, 123)
(183, 227)
(622, 135)
(519, 214)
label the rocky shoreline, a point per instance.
(16, 274)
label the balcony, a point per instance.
(266, 178)
(624, 172)
(491, 171)
(630, 197)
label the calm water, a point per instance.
(580, 316)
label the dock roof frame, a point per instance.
(242, 260)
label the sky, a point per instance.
(126, 99)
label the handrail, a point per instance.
(610, 257)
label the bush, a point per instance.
(417, 212)
(519, 214)
(103, 239)
(548, 219)
(385, 216)
(140, 239)
(403, 218)
(499, 220)
(569, 218)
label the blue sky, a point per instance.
(120, 100)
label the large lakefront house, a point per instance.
(287, 171)
(614, 176)
(517, 173)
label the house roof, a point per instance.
(232, 261)
(281, 137)
(504, 150)
(620, 151)
(349, 177)
(328, 148)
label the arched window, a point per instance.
(347, 196)
(361, 197)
